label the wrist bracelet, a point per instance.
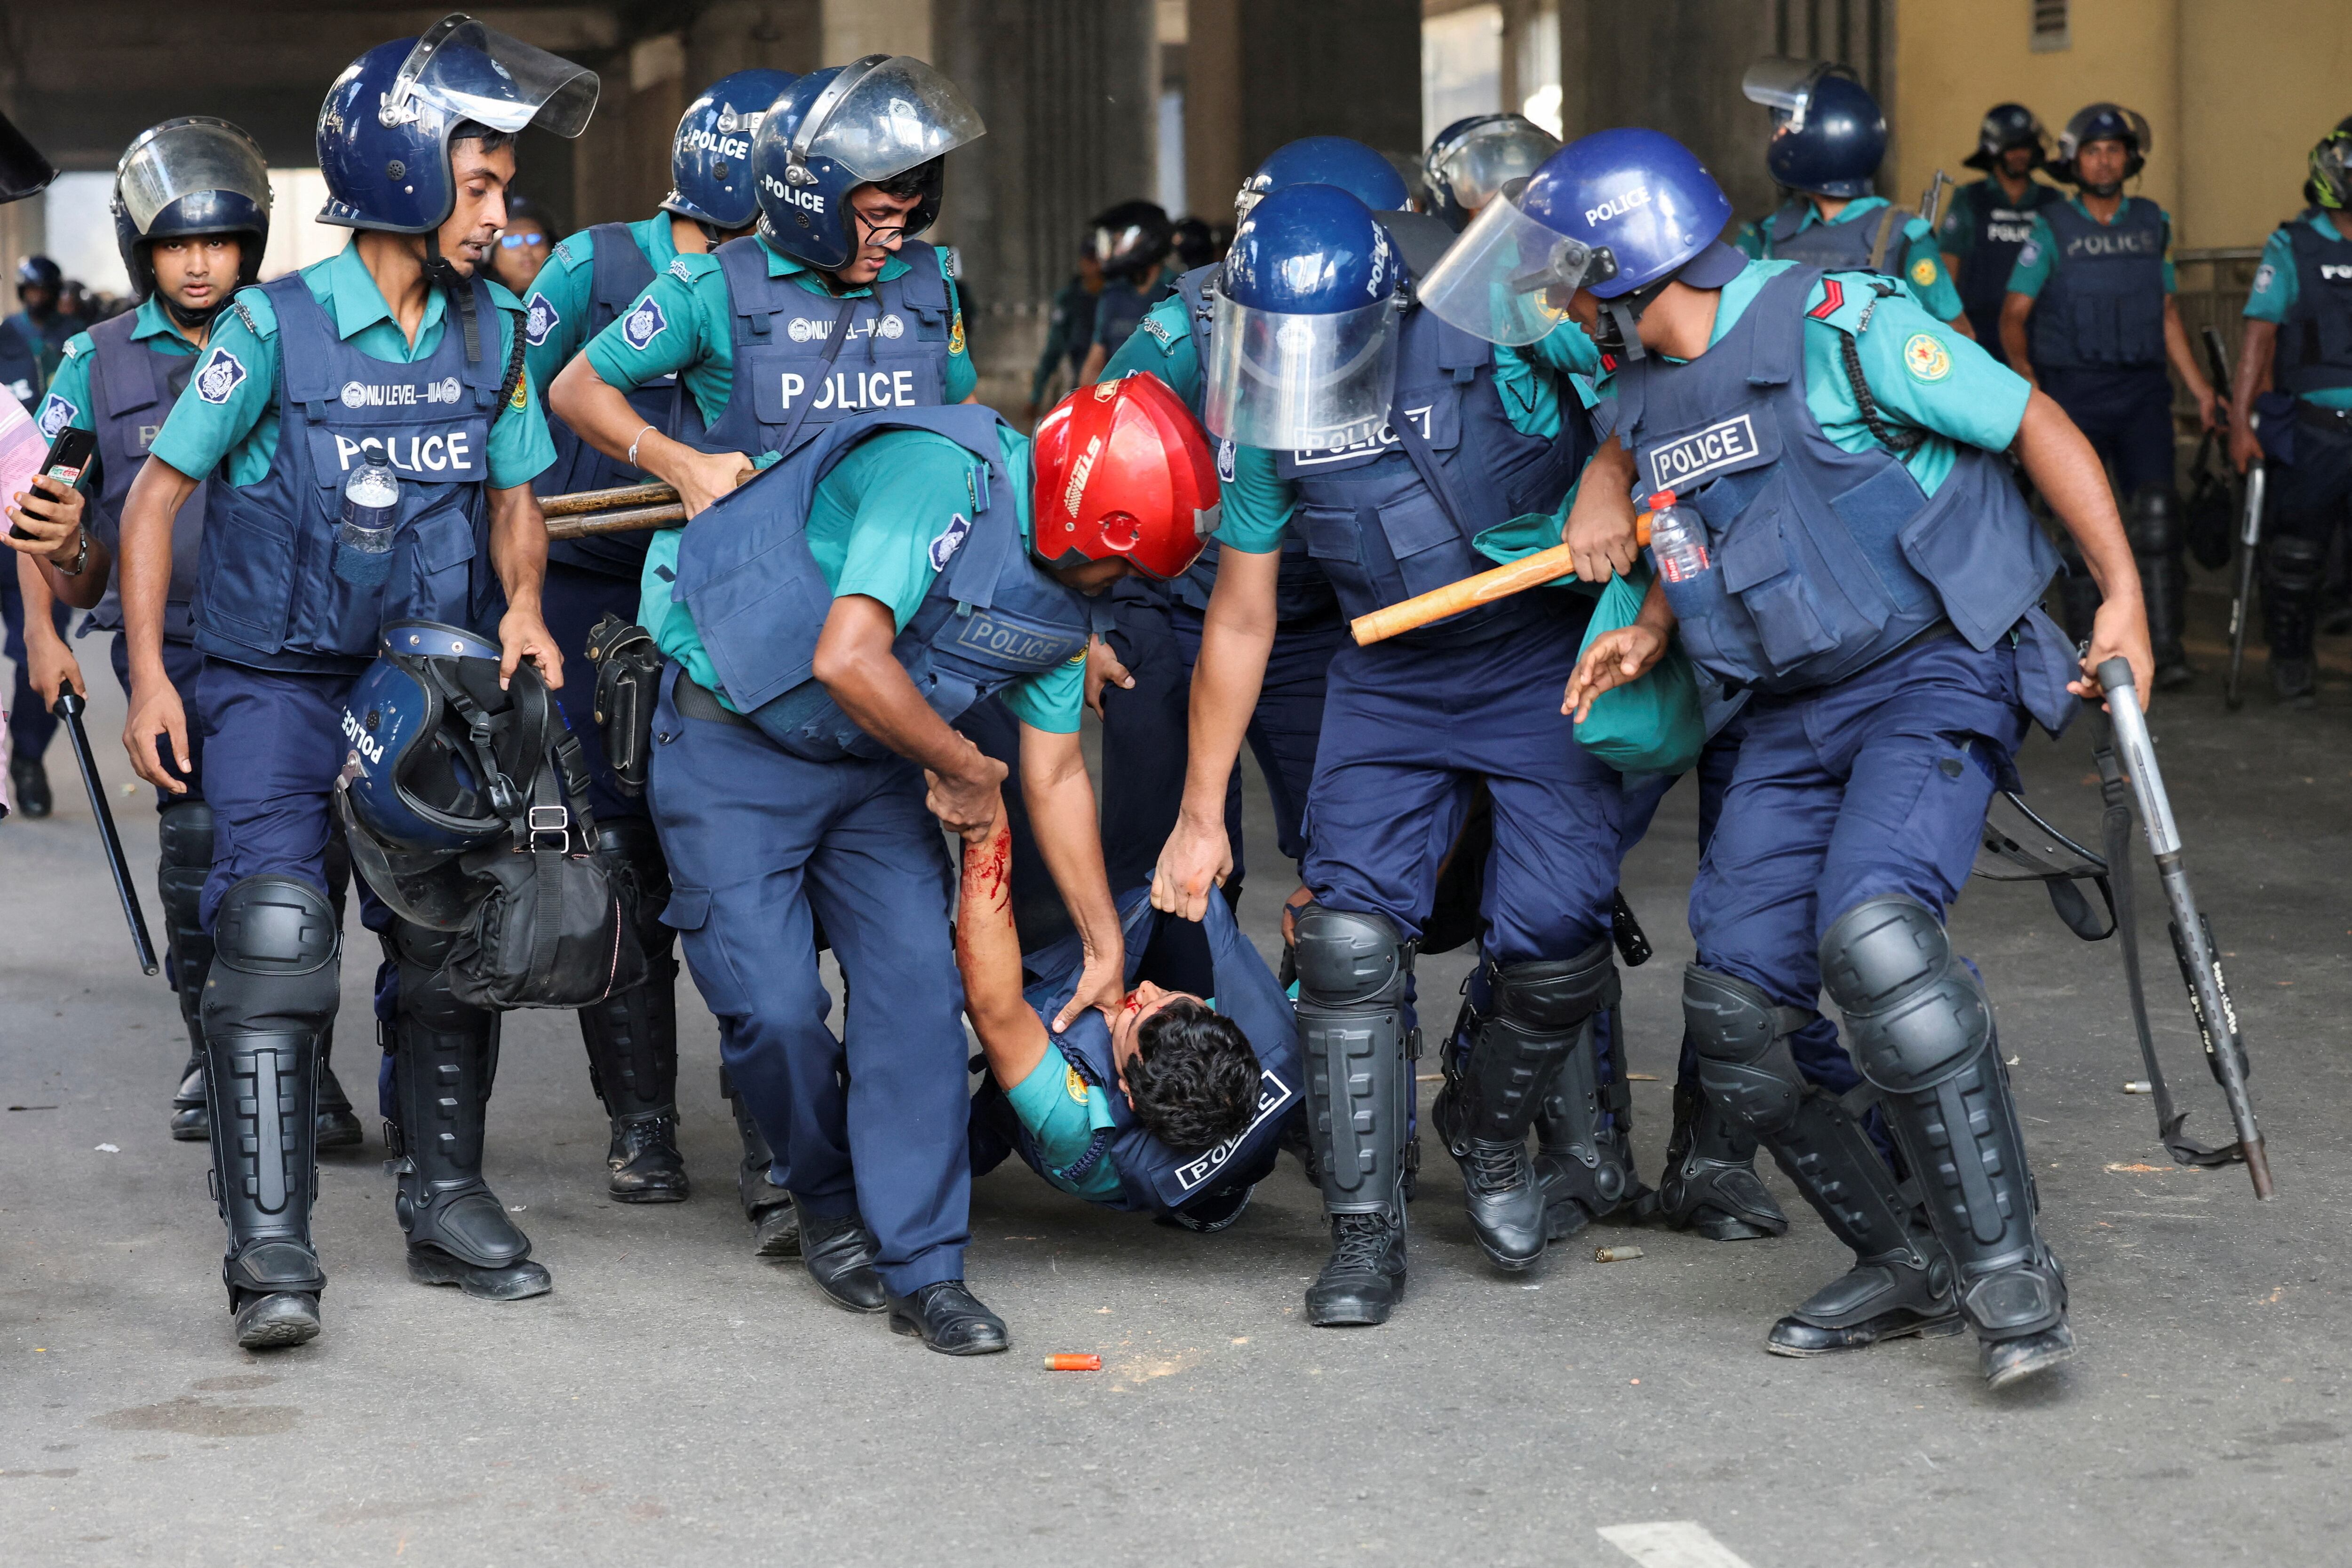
(633, 445)
(81, 557)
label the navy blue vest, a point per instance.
(2315, 341)
(20, 364)
(992, 616)
(1834, 247)
(895, 355)
(1997, 232)
(1151, 1176)
(267, 592)
(131, 389)
(1824, 561)
(1121, 310)
(618, 272)
(2103, 308)
(1395, 516)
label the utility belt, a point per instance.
(695, 700)
(2335, 421)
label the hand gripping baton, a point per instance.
(69, 706)
(2193, 939)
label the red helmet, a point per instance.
(1123, 470)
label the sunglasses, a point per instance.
(517, 240)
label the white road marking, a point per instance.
(1671, 1543)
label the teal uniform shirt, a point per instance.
(565, 285)
(1531, 382)
(871, 529)
(2276, 284)
(696, 342)
(1062, 1112)
(67, 403)
(1161, 343)
(2040, 254)
(242, 430)
(1923, 264)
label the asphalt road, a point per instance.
(676, 1401)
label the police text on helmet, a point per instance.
(1619, 205)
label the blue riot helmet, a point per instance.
(191, 176)
(23, 170)
(39, 272)
(1619, 213)
(1473, 158)
(1302, 345)
(1326, 161)
(1828, 133)
(439, 761)
(885, 120)
(2008, 125)
(385, 129)
(710, 159)
(2102, 122)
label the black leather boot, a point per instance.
(1363, 1281)
(949, 1318)
(775, 1221)
(339, 1125)
(839, 1255)
(1710, 1184)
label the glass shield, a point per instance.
(23, 170)
(185, 156)
(1509, 277)
(1487, 160)
(470, 71)
(899, 113)
(1299, 384)
(1780, 82)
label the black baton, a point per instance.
(68, 708)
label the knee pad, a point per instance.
(275, 940)
(2154, 523)
(1914, 1012)
(1743, 1065)
(2294, 566)
(1349, 959)
(1553, 996)
(183, 834)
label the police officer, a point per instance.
(1991, 218)
(1476, 156)
(826, 627)
(373, 436)
(1828, 138)
(2090, 320)
(191, 212)
(593, 278)
(1132, 241)
(2298, 343)
(39, 326)
(1890, 688)
(1398, 445)
(1176, 1109)
(1069, 330)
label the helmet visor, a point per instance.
(2331, 170)
(1486, 160)
(184, 157)
(468, 71)
(432, 891)
(1780, 83)
(898, 113)
(1509, 277)
(23, 170)
(1299, 384)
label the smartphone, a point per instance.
(68, 455)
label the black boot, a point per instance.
(775, 1221)
(631, 1038)
(444, 1058)
(2292, 571)
(839, 1255)
(339, 1125)
(949, 1320)
(271, 990)
(31, 784)
(1710, 1185)
(1895, 1294)
(2158, 541)
(183, 838)
(1584, 1138)
(1363, 1280)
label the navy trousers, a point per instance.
(183, 664)
(762, 844)
(574, 600)
(2127, 414)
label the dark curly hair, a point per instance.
(1194, 1078)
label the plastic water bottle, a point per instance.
(1677, 539)
(370, 517)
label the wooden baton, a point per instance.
(623, 521)
(1528, 571)
(580, 501)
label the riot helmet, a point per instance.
(1828, 133)
(2102, 122)
(39, 272)
(191, 176)
(1123, 473)
(1473, 158)
(885, 120)
(385, 128)
(1196, 243)
(2331, 170)
(1132, 238)
(1303, 334)
(710, 158)
(1620, 213)
(1326, 161)
(2008, 125)
(23, 170)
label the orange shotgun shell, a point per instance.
(1073, 1364)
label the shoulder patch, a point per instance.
(77, 345)
(221, 373)
(543, 319)
(949, 541)
(1923, 273)
(950, 267)
(2029, 252)
(54, 415)
(1833, 300)
(563, 253)
(522, 398)
(1074, 1084)
(1925, 355)
(1159, 330)
(955, 335)
(642, 324)
(2264, 276)
(677, 270)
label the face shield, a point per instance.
(23, 170)
(1785, 86)
(467, 71)
(1508, 279)
(881, 116)
(182, 158)
(2331, 171)
(1291, 382)
(1488, 158)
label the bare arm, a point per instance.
(1237, 635)
(600, 415)
(2014, 309)
(2183, 360)
(988, 955)
(1097, 358)
(856, 665)
(48, 662)
(50, 516)
(518, 552)
(155, 498)
(2256, 358)
(1061, 801)
(2059, 460)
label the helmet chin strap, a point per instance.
(187, 319)
(1620, 320)
(458, 287)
